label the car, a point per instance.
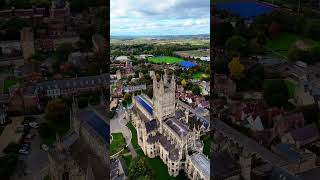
(23, 151)
(30, 136)
(44, 147)
(34, 125)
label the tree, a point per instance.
(222, 32)
(56, 110)
(221, 65)
(140, 169)
(184, 83)
(236, 68)
(40, 3)
(79, 5)
(312, 29)
(237, 44)
(275, 92)
(274, 29)
(297, 54)
(196, 90)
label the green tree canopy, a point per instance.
(275, 92)
(56, 110)
(140, 169)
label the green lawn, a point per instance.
(165, 59)
(159, 168)
(127, 159)
(134, 139)
(282, 43)
(118, 143)
(199, 75)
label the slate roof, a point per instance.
(151, 125)
(305, 133)
(166, 144)
(80, 82)
(201, 163)
(177, 126)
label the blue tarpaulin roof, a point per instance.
(187, 64)
(244, 9)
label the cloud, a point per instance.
(149, 17)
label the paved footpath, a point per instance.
(118, 124)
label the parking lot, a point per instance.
(33, 160)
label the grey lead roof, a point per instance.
(177, 126)
(201, 163)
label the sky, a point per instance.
(159, 17)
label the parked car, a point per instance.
(23, 151)
(44, 147)
(34, 124)
(30, 136)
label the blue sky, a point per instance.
(159, 17)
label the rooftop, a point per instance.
(202, 163)
(177, 127)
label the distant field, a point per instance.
(160, 41)
(195, 53)
(199, 75)
(165, 59)
(222, 1)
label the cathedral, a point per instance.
(82, 154)
(166, 129)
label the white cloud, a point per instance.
(150, 17)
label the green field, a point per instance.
(200, 75)
(118, 143)
(160, 170)
(165, 59)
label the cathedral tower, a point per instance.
(164, 97)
